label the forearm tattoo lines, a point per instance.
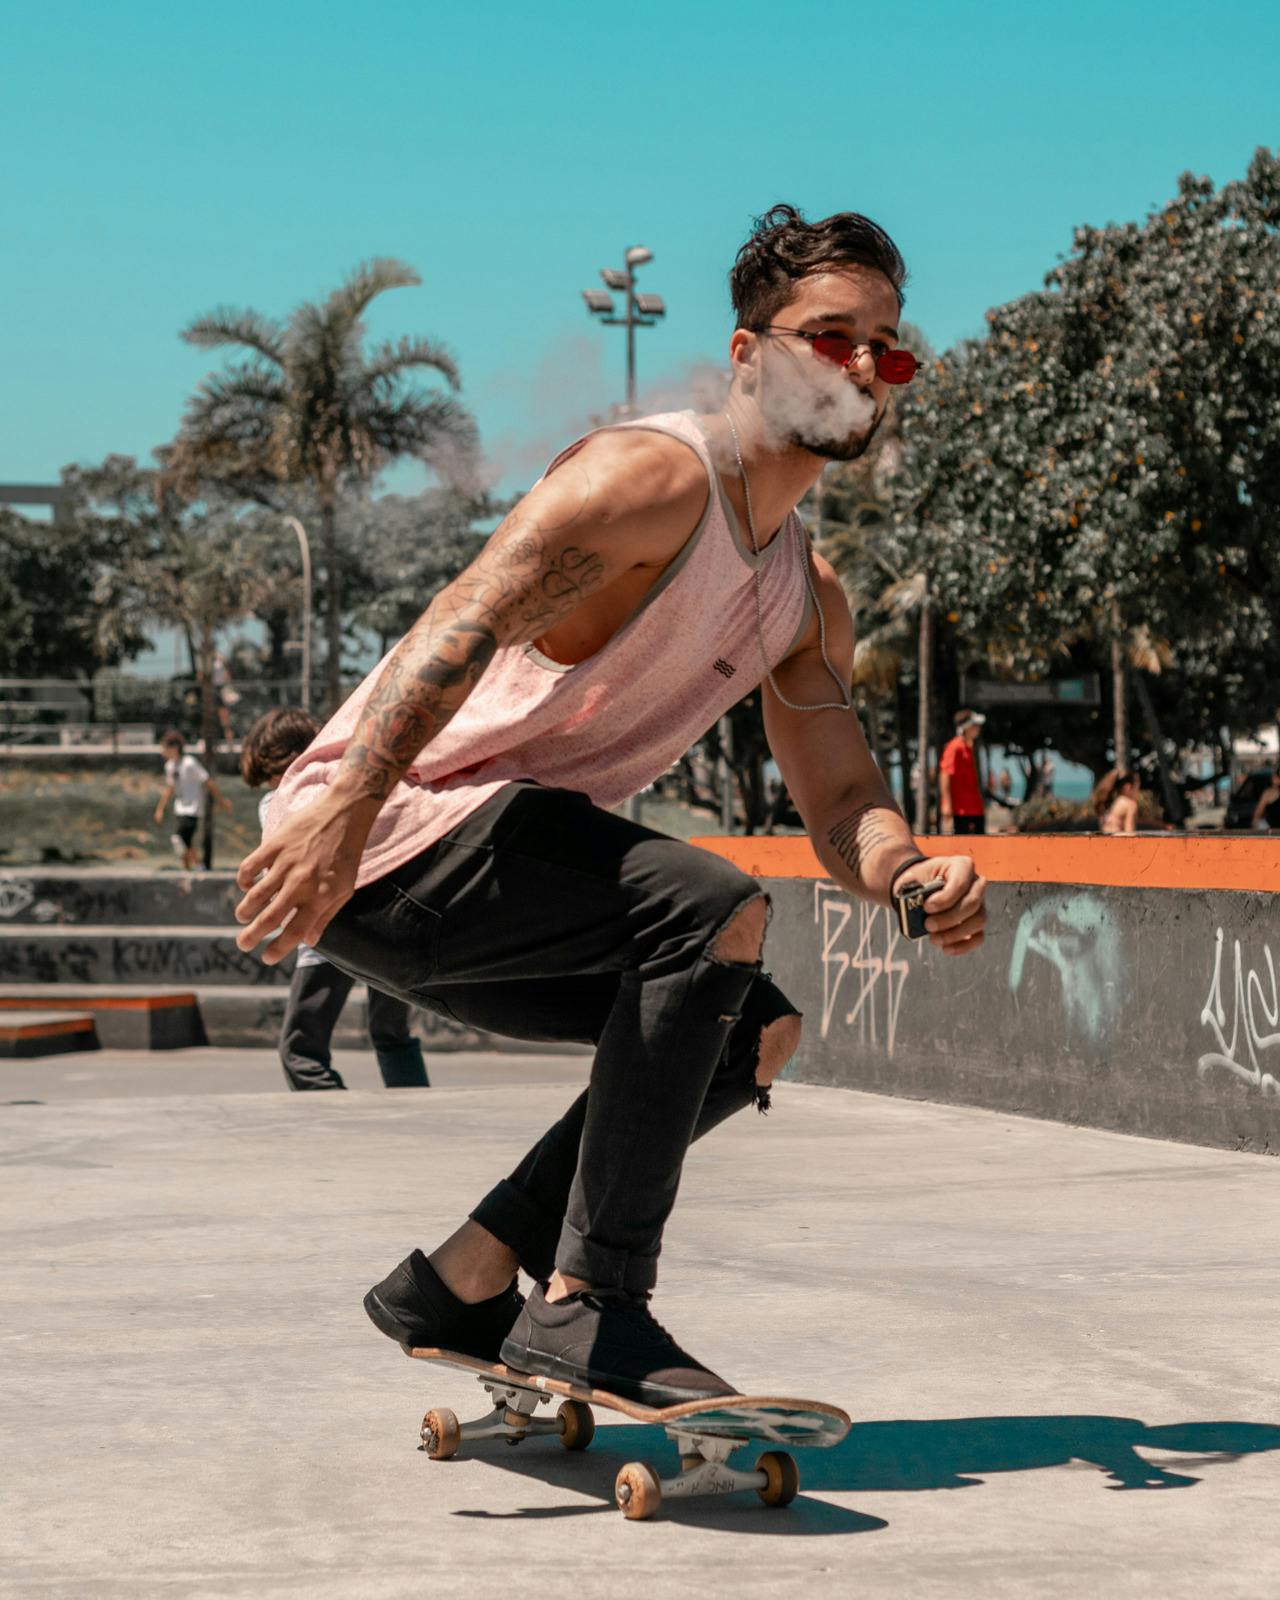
(857, 837)
(513, 592)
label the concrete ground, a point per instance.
(1058, 1347)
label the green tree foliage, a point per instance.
(307, 407)
(1105, 464)
(402, 550)
(196, 568)
(854, 529)
(48, 620)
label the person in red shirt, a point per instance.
(963, 809)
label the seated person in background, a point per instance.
(1266, 814)
(1115, 802)
(319, 991)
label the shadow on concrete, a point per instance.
(957, 1452)
(592, 1472)
(949, 1453)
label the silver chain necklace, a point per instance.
(845, 703)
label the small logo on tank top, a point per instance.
(726, 669)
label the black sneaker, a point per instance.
(607, 1339)
(413, 1306)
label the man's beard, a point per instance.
(822, 412)
(850, 448)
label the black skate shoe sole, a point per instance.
(386, 1321)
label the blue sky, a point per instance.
(163, 160)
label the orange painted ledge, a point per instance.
(86, 1000)
(12, 1031)
(1147, 861)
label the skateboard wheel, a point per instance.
(441, 1434)
(577, 1425)
(783, 1475)
(637, 1491)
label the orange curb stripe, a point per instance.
(1158, 861)
(47, 1030)
(89, 1002)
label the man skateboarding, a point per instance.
(448, 838)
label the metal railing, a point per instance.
(123, 709)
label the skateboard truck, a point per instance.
(512, 1419)
(705, 1469)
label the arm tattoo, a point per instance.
(511, 593)
(858, 836)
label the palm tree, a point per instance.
(307, 408)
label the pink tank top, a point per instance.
(609, 725)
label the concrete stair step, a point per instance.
(253, 1015)
(120, 953)
(62, 896)
(125, 1016)
(25, 1035)
(250, 1016)
(154, 1017)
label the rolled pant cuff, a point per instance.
(512, 1218)
(603, 1267)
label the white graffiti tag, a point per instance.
(875, 1006)
(15, 897)
(1252, 1015)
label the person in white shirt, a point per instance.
(319, 990)
(186, 783)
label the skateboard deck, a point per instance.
(706, 1432)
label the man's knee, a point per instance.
(741, 939)
(779, 1041)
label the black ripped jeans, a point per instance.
(543, 917)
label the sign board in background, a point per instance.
(1081, 691)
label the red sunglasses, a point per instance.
(893, 366)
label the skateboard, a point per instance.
(705, 1432)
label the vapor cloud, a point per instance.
(573, 391)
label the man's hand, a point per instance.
(956, 914)
(308, 873)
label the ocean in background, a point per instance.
(1070, 780)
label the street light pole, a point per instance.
(641, 310)
(631, 336)
(305, 548)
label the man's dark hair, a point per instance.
(274, 743)
(783, 248)
(171, 737)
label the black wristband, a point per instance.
(898, 871)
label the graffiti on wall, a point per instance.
(186, 899)
(1248, 999)
(864, 966)
(18, 899)
(1078, 938)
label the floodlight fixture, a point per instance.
(638, 310)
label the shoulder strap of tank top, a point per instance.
(675, 424)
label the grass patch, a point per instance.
(86, 818)
(82, 818)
